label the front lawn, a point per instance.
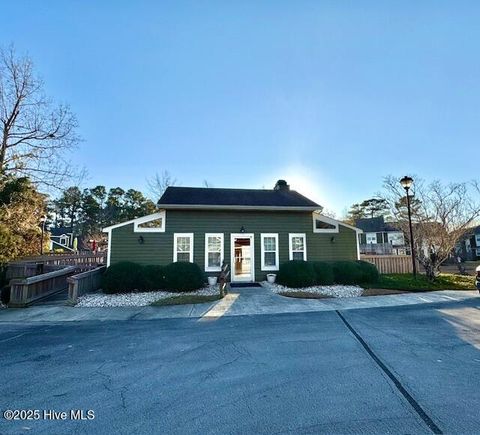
(186, 299)
(405, 282)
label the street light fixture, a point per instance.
(406, 183)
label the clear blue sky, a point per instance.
(330, 95)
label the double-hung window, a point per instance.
(213, 252)
(297, 246)
(269, 251)
(183, 247)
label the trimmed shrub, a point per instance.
(182, 276)
(154, 277)
(323, 273)
(296, 274)
(369, 272)
(347, 272)
(123, 277)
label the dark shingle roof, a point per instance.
(56, 232)
(375, 225)
(207, 196)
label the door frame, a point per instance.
(250, 236)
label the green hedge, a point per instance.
(369, 272)
(154, 277)
(182, 276)
(355, 272)
(128, 277)
(123, 277)
(296, 274)
(323, 273)
(346, 272)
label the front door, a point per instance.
(243, 269)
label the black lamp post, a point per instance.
(43, 219)
(406, 183)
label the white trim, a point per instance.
(62, 238)
(331, 220)
(175, 236)
(327, 220)
(234, 207)
(358, 247)
(290, 251)
(131, 221)
(262, 249)
(234, 236)
(109, 247)
(219, 268)
(145, 219)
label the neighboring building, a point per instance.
(380, 237)
(468, 246)
(253, 231)
(61, 238)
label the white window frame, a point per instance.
(175, 237)
(327, 220)
(290, 250)
(214, 269)
(262, 245)
(152, 217)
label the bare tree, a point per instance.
(34, 133)
(207, 183)
(159, 183)
(329, 213)
(441, 213)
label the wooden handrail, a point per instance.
(44, 276)
(84, 282)
(25, 291)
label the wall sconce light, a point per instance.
(140, 240)
(332, 239)
(242, 230)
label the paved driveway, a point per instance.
(290, 373)
(239, 302)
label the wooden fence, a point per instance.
(24, 291)
(390, 263)
(84, 282)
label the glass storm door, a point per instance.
(242, 258)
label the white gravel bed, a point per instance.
(336, 291)
(140, 299)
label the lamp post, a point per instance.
(406, 183)
(42, 220)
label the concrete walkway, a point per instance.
(239, 302)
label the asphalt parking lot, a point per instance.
(410, 369)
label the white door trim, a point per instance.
(234, 236)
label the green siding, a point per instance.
(158, 247)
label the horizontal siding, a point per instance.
(158, 247)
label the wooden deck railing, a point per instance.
(83, 261)
(24, 291)
(27, 269)
(390, 263)
(85, 282)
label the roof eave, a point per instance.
(237, 207)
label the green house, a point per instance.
(252, 230)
